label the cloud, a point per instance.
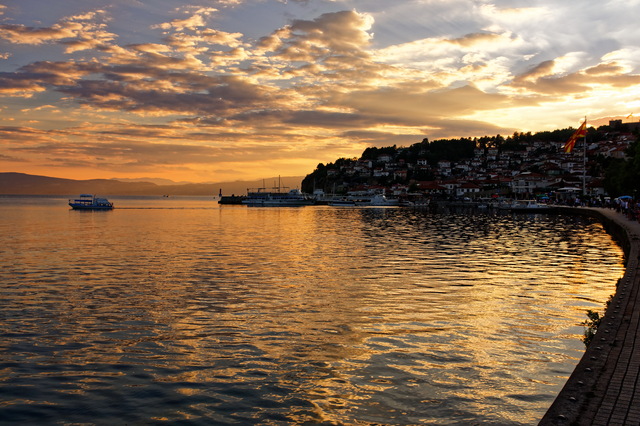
(19, 86)
(20, 34)
(77, 33)
(416, 109)
(132, 148)
(10, 159)
(203, 40)
(229, 3)
(543, 69)
(196, 20)
(379, 138)
(330, 39)
(544, 80)
(475, 39)
(322, 84)
(183, 94)
(154, 79)
(38, 76)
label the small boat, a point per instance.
(503, 204)
(529, 206)
(483, 203)
(416, 203)
(342, 202)
(378, 200)
(90, 202)
(231, 199)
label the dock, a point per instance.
(604, 388)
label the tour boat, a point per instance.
(261, 198)
(90, 202)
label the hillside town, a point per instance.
(524, 166)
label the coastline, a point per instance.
(602, 388)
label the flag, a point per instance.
(581, 132)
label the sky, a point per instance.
(224, 90)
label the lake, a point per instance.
(180, 311)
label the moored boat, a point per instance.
(530, 206)
(231, 199)
(90, 202)
(378, 200)
(342, 202)
(261, 198)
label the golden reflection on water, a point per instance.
(315, 314)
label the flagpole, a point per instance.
(584, 160)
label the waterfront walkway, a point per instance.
(604, 389)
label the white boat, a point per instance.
(342, 202)
(483, 203)
(262, 198)
(503, 204)
(529, 206)
(90, 202)
(378, 200)
(415, 203)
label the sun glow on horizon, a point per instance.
(191, 96)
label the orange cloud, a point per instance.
(196, 20)
(76, 32)
(542, 79)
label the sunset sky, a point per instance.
(244, 89)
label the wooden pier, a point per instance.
(604, 388)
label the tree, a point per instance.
(623, 176)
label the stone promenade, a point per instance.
(604, 389)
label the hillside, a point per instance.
(25, 184)
(605, 160)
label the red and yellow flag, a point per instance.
(581, 132)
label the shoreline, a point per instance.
(602, 388)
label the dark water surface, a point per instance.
(178, 311)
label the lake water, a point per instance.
(180, 311)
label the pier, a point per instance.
(604, 388)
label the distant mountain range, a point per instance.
(25, 184)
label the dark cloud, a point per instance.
(10, 159)
(21, 34)
(9, 134)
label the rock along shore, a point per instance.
(604, 388)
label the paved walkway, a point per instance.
(604, 389)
